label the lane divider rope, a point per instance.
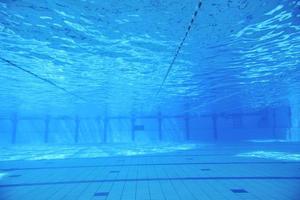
(41, 78)
(179, 47)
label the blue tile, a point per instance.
(101, 194)
(139, 127)
(114, 171)
(150, 164)
(7, 170)
(239, 191)
(14, 176)
(206, 169)
(152, 179)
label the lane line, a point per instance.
(152, 179)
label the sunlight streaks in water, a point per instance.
(2, 175)
(88, 151)
(115, 54)
(274, 155)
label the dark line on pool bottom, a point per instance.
(149, 179)
(144, 164)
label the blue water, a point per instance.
(239, 55)
(88, 81)
(95, 59)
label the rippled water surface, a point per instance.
(239, 54)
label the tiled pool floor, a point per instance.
(205, 173)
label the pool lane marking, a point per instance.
(147, 164)
(151, 179)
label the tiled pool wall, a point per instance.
(265, 124)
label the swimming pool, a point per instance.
(149, 99)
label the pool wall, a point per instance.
(295, 123)
(272, 123)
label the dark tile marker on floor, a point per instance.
(101, 194)
(239, 191)
(206, 169)
(14, 176)
(7, 170)
(114, 171)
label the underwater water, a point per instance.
(150, 99)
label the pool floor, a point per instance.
(213, 172)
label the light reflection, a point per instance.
(2, 175)
(92, 151)
(272, 155)
(269, 141)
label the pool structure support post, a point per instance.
(294, 120)
(105, 126)
(274, 123)
(159, 118)
(14, 121)
(290, 124)
(187, 127)
(133, 129)
(46, 133)
(215, 126)
(77, 122)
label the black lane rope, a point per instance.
(41, 78)
(180, 47)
